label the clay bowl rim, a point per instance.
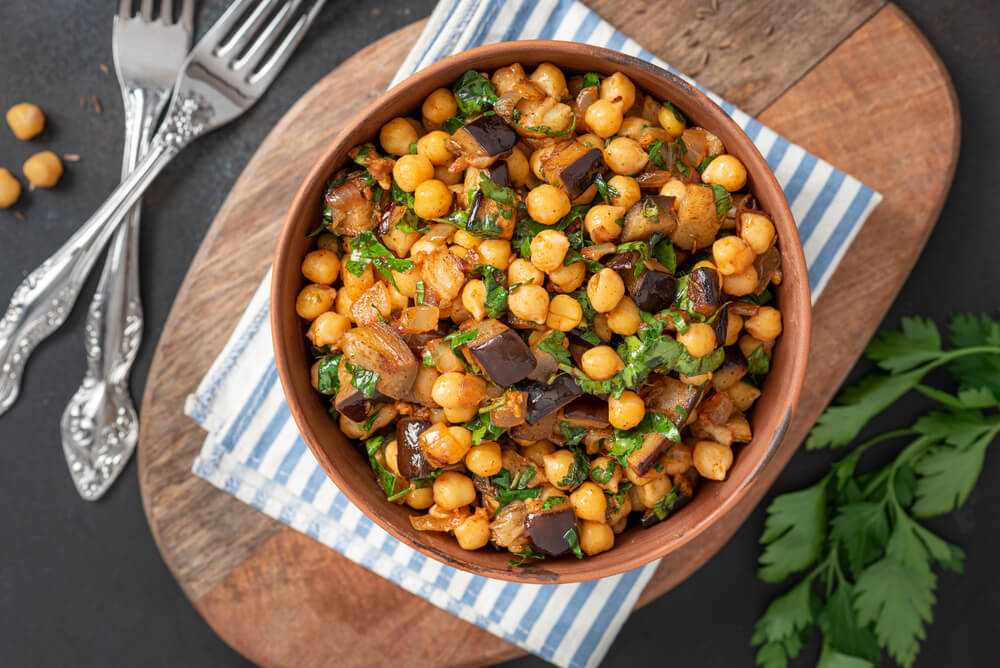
(641, 546)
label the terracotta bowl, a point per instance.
(343, 461)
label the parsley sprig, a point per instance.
(858, 537)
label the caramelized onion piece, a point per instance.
(351, 212)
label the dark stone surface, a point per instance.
(82, 584)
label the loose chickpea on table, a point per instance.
(541, 303)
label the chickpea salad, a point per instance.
(542, 308)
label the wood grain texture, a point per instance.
(749, 52)
(282, 599)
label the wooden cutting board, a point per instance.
(852, 81)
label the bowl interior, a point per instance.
(343, 460)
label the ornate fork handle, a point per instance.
(100, 426)
(43, 300)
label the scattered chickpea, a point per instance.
(26, 120)
(765, 324)
(43, 170)
(10, 189)
(396, 136)
(565, 313)
(547, 204)
(548, 249)
(411, 170)
(601, 362)
(712, 459)
(726, 171)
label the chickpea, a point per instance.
(601, 362)
(732, 255)
(548, 249)
(765, 324)
(321, 266)
(565, 313)
(506, 78)
(626, 411)
(26, 120)
(726, 171)
(589, 502)
(391, 454)
(628, 191)
(518, 168)
(605, 289)
(677, 459)
(420, 498)
(461, 414)
(442, 174)
(624, 318)
(604, 118)
(474, 298)
(474, 531)
(551, 79)
(699, 339)
(530, 303)
(740, 284)
(439, 106)
(356, 286)
(670, 122)
(568, 277)
(559, 117)
(712, 459)
(412, 170)
(327, 329)
(465, 239)
(434, 145)
(10, 189)
(396, 136)
(748, 344)
(625, 156)
(734, 324)
(675, 188)
(596, 537)
(633, 126)
(462, 435)
(432, 199)
(495, 252)
(453, 490)
(456, 389)
(604, 222)
(314, 300)
(484, 459)
(557, 466)
(619, 90)
(591, 140)
(440, 446)
(43, 170)
(547, 204)
(758, 231)
(522, 271)
(536, 452)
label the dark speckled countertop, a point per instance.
(82, 584)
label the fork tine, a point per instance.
(246, 31)
(187, 15)
(146, 7)
(125, 9)
(167, 11)
(267, 37)
(226, 23)
(263, 77)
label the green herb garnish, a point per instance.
(362, 379)
(326, 373)
(524, 555)
(474, 93)
(458, 339)
(574, 542)
(452, 125)
(592, 79)
(578, 470)
(663, 507)
(421, 289)
(510, 488)
(656, 154)
(573, 435)
(366, 249)
(676, 112)
(483, 429)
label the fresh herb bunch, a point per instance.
(870, 584)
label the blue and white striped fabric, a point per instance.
(254, 451)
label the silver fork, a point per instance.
(100, 426)
(223, 76)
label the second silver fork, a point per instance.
(100, 426)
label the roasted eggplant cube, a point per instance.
(505, 357)
(654, 290)
(720, 326)
(354, 405)
(624, 263)
(587, 411)
(572, 166)
(652, 213)
(547, 531)
(409, 457)
(731, 371)
(703, 290)
(544, 399)
(667, 394)
(486, 136)
(499, 173)
(654, 446)
(767, 265)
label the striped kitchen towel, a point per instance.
(254, 451)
